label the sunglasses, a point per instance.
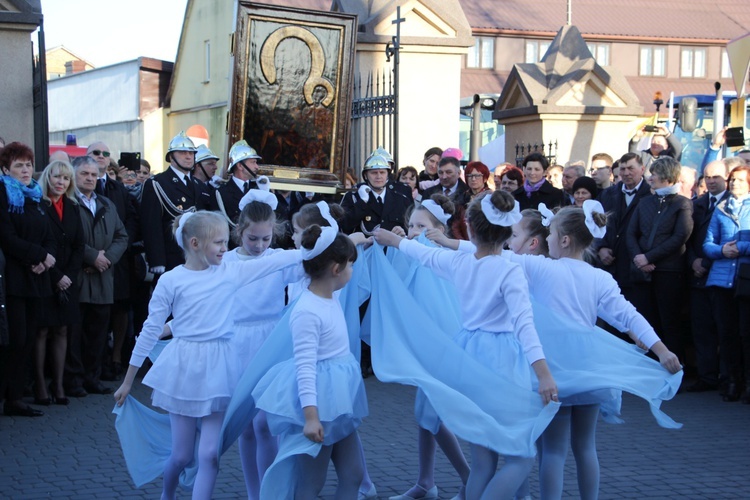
(99, 152)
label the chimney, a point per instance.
(74, 67)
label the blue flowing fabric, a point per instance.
(353, 295)
(588, 359)
(146, 441)
(475, 403)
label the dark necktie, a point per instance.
(447, 192)
(713, 203)
(628, 193)
(246, 187)
(380, 201)
(187, 180)
(101, 184)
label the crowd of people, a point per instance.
(101, 262)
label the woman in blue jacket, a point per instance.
(727, 243)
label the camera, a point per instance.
(131, 161)
(735, 136)
(651, 128)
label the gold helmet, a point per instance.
(374, 162)
(240, 151)
(180, 142)
(204, 153)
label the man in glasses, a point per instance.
(601, 170)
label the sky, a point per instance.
(105, 32)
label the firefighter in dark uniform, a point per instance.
(205, 171)
(376, 202)
(165, 196)
(243, 172)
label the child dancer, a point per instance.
(257, 309)
(567, 285)
(432, 215)
(498, 325)
(195, 375)
(529, 234)
(318, 393)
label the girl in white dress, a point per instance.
(498, 325)
(194, 377)
(257, 309)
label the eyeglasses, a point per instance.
(595, 170)
(98, 152)
(474, 176)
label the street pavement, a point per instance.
(73, 452)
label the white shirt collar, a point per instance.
(179, 173)
(718, 196)
(240, 183)
(381, 194)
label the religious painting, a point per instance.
(291, 93)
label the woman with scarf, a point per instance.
(536, 189)
(656, 238)
(476, 175)
(727, 243)
(29, 246)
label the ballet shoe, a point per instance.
(461, 495)
(431, 494)
(370, 494)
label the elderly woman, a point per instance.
(60, 310)
(476, 175)
(537, 189)
(584, 188)
(656, 238)
(727, 243)
(511, 179)
(28, 245)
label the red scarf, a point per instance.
(58, 205)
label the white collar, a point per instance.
(381, 194)
(635, 189)
(240, 183)
(179, 173)
(718, 196)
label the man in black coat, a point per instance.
(619, 201)
(376, 202)
(165, 196)
(705, 335)
(451, 184)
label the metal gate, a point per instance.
(522, 150)
(373, 115)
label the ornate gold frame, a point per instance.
(326, 92)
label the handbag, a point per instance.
(742, 284)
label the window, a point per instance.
(482, 54)
(653, 60)
(535, 50)
(693, 63)
(600, 51)
(726, 71)
(207, 61)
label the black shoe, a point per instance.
(21, 411)
(97, 388)
(701, 386)
(77, 392)
(732, 392)
(112, 373)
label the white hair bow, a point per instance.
(180, 225)
(547, 215)
(437, 211)
(327, 235)
(498, 218)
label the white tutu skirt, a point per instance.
(249, 337)
(342, 402)
(500, 352)
(194, 379)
